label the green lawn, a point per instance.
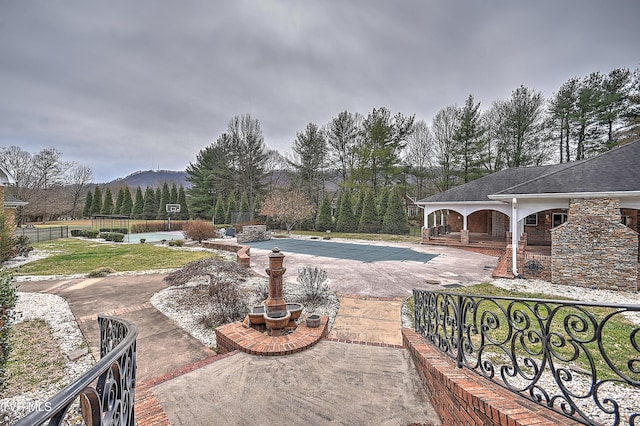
(78, 256)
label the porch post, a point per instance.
(515, 236)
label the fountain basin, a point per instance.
(277, 320)
(295, 309)
(256, 315)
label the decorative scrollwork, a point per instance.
(105, 394)
(576, 358)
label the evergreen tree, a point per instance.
(231, 210)
(395, 218)
(220, 217)
(184, 208)
(369, 222)
(96, 203)
(309, 160)
(336, 213)
(470, 142)
(346, 221)
(165, 197)
(107, 205)
(357, 212)
(173, 198)
(86, 212)
(383, 201)
(150, 208)
(127, 203)
(138, 205)
(245, 212)
(324, 221)
(119, 201)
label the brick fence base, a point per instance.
(462, 397)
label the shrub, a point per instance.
(76, 232)
(142, 240)
(118, 237)
(91, 233)
(23, 246)
(206, 266)
(176, 243)
(100, 272)
(313, 281)
(199, 230)
(7, 304)
(7, 247)
(227, 302)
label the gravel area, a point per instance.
(56, 312)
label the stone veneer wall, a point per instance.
(593, 249)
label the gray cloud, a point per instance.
(122, 86)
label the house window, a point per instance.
(531, 220)
(559, 219)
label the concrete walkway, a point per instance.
(179, 379)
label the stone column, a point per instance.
(464, 236)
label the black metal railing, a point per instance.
(577, 358)
(37, 235)
(105, 394)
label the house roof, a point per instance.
(11, 201)
(480, 189)
(617, 170)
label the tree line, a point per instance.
(149, 206)
(354, 154)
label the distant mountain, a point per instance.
(157, 178)
(153, 179)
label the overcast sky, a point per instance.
(122, 86)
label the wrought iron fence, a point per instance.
(536, 266)
(105, 394)
(577, 358)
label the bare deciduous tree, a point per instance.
(79, 177)
(289, 207)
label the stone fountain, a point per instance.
(275, 312)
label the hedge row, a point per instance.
(120, 230)
(157, 226)
(87, 233)
(116, 237)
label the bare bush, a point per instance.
(314, 284)
(198, 230)
(207, 266)
(227, 303)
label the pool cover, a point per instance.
(349, 251)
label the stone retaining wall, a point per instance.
(462, 397)
(251, 233)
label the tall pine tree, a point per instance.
(138, 205)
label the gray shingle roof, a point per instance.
(480, 189)
(612, 171)
(615, 170)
